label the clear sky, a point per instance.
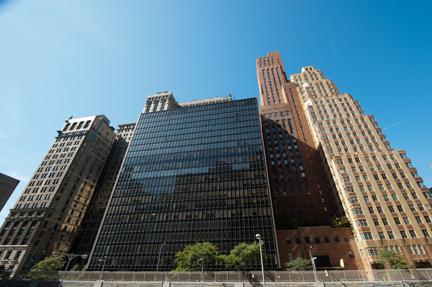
(62, 58)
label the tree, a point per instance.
(47, 268)
(76, 267)
(392, 260)
(298, 264)
(4, 274)
(340, 221)
(196, 256)
(242, 256)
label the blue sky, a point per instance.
(63, 58)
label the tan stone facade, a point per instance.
(47, 215)
(382, 195)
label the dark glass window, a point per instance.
(191, 174)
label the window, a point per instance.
(416, 249)
(372, 251)
(366, 236)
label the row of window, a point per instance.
(390, 234)
(76, 125)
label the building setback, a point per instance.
(193, 172)
(304, 198)
(383, 196)
(48, 213)
(88, 229)
(7, 187)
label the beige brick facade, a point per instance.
(382, 194)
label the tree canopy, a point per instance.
(47, 268)
(196, 256)
(242, 256)
(392, 260)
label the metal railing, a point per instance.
(254, 276)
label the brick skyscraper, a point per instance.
(382, 194)
(303, 196)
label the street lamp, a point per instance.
(160, 252)
(103, 259)
(70, 257)
(261, 243)
(312, 259)
(202, 268)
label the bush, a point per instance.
(298, 264)
(340, 222)
(47, 268)
(392, 260)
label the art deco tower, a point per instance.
(46, 217)
(302, 192)
(383, 196)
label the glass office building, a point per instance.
(194, 172)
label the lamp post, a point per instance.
(70, 257)
(160, 252)
(312, 259)
(261, 243)
(103, 259)
(202, 268)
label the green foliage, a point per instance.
(4, 274)
(298, 264)
(392, 260)
(242, 256)
(340, 222)
(76, 267)
(195, 256)
(47, 268)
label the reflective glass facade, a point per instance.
(191, 174)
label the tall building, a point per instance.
(7, 187)
(48, 213)
(303, 193)
(88, 229)
(193, 172)
(382, 195)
